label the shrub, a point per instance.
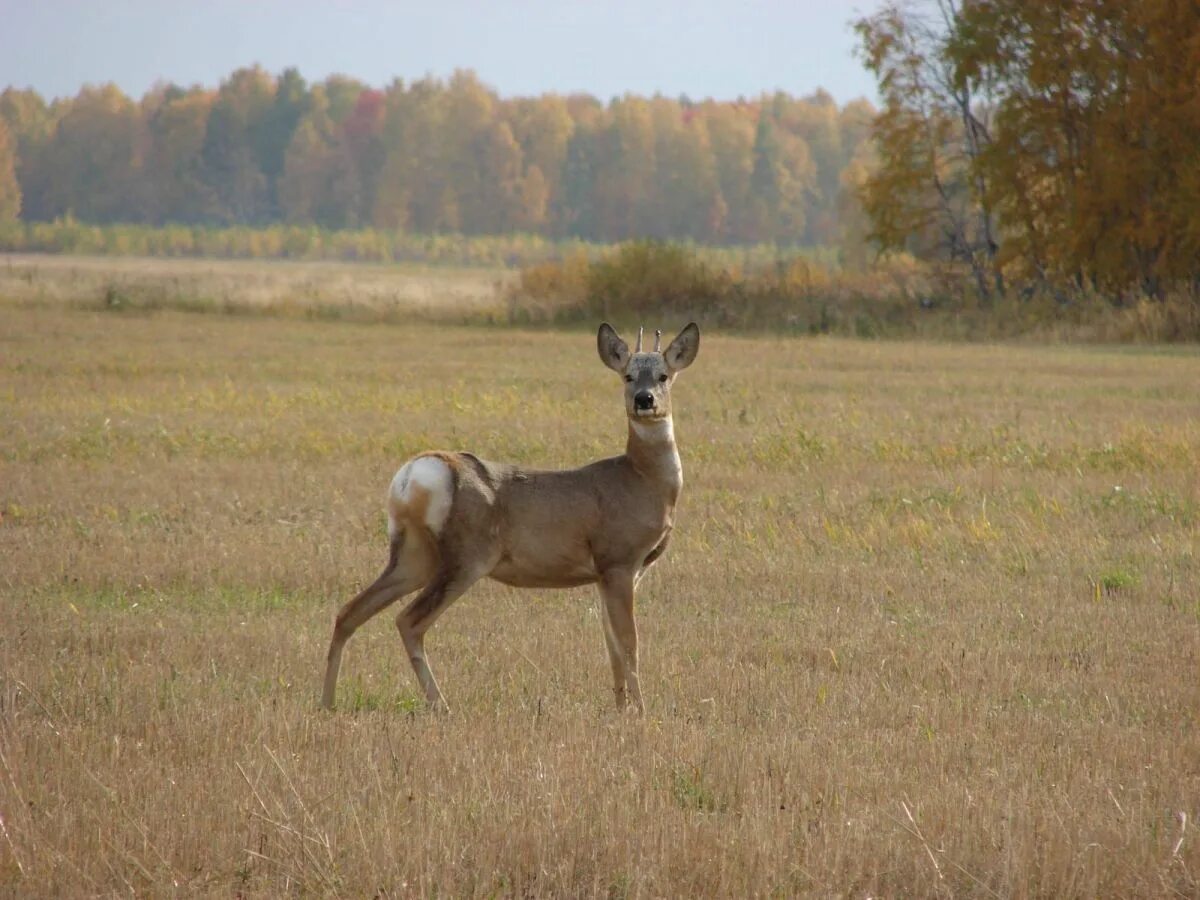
(650, 281)
(644, 279)
(550, 292)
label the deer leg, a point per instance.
(404, 573)
(616, 589)
(615, 657)
(418, 617)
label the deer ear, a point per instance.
(614, 352)
(681, 352)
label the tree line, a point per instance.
(436, 156)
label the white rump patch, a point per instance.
(426, 480)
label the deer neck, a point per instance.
(652, 451)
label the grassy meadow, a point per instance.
(929, 624)
(306, 290)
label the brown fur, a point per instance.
(603, 523)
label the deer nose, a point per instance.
(643, 400)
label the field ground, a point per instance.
(930, 623)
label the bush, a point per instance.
(550, 292)
(644, 279)
(651, 281)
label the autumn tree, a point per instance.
(360, 155)
(780, 181)
(173, 171)
(623, 180)
(814, 120)
(411, 188)
(10, 189)
(437, 155)
(95, 155)
(273, 132)
(233, 148)
(1096, 128)
(687, 201)
(305, 189)
(1055, 142)
(499, 200)
(532, 202)
(341, 95)
(577, 211)
(30, 122)
(930, 193)
(731, 131)
(479, 161)
(543, 127)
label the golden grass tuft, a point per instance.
(930, 623)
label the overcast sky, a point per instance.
(700, 48)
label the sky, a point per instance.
(607, 48)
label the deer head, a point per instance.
(648, 376)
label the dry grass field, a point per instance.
(929, 626)
(311, 290)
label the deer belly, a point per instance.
(548, 563)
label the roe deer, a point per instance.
(454, 518)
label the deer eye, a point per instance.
(629, 378)
(662, 379)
